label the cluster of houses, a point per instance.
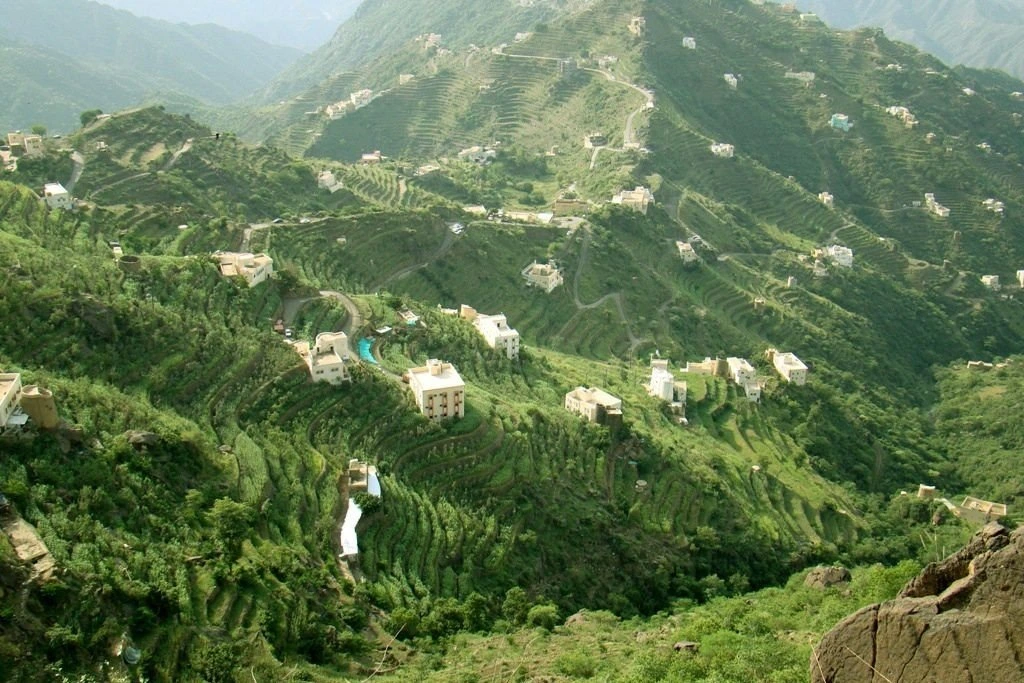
(903, 114)
(723, 150)
(19, 404)
(20, 145)
(837, 254)
(355, 100)
(790, 368)
(478, 154)
(994, 205)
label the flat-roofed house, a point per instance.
(596, 405)
(56, 197)
(790, 368)
(328, 358)
(254, 268)
(438, 390)
(10, 395)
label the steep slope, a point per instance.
(379, 27)
(978, 34)
(302, 24)
(102, 48)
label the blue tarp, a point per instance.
(366, 350)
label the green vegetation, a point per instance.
(192, 501)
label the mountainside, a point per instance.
(302, 24)
(195, 497)
(378, 27)
(73, 55)
(987, 33)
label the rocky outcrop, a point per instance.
(960, 621)
(826, 577)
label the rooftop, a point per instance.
(436, 375)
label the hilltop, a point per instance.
(69, 56)
(937, 26)
(195, 494)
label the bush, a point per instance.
(576, 664)
(545, 616)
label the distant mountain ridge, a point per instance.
(973, 33)
(97, 56)
(302, 24)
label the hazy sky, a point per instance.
(305, 24)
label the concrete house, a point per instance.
(637, 25)
(687, 252)
(10, 396)
(689, 43)
(337, 110)
(33, 146)
(840, 122)
(327, 181)
(1020, 278)
(840, 255)
(827, 199)
(328, 357)
(373, 157)
(740, 370)
(708, 366)
(255, 268)
(405, 78)
(723, 150)
(478, 154)
(731, 80)
(805, 77)
(547, 276)
(789, 367)
(596, 405)
(637, 199)
(56, 197)
(662, 383)
(494, 329)
(438, 390)
(992, 282)
(934, 207)
(903, 114)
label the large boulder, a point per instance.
(960, 621)
(826, 577)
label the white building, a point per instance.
(638, 199)
(373, 157)
(494, 329)
(1020, 277)
(361, 98)
(723, 149)
(597, 405)
(478, 154)
(991, 281)
(438, 390)
(686, 252)
(637, 25)
(10, 396)
(56, 197)
(827, 199)
(789, 367)
(994, 205)
(840, 255)
(662, 383)
(740, 370)
(547, 276)
(328, 358)
(932, 205)
(731, 80)
(255, 268)
(689, 43)
(405, 78)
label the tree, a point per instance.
(516, 606)
(39, 129)
(545, 616)
(231, 522)
(89, 115)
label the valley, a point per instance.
(789, 258)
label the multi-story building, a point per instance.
(686, 252)
(789, 367)
(56, 197)
(827, 199)
(547, 276)
(10, 395)
(596, 405)
(438, 390)
(638, 199)
(254, 268)
(328, 357)
(662, 383)
(494, 329)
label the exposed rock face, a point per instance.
(826, 577)
(960, 621)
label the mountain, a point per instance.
(975, 33)
(194, 501)
(75, 55)
(302, 24)
(377, 28)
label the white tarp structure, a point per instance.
(349, 544)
